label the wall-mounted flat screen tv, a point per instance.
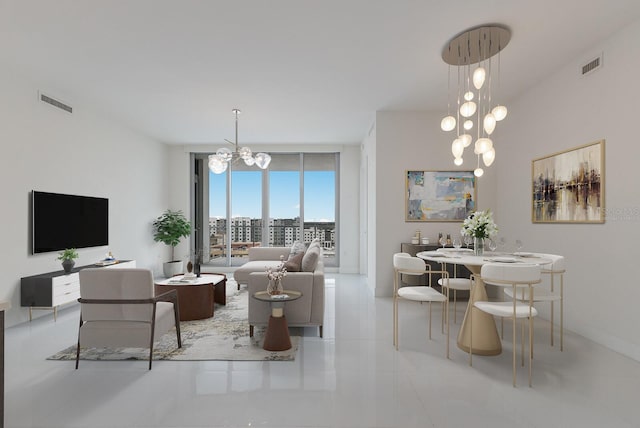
(68, 221)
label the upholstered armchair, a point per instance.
(119, 308)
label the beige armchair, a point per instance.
(119, 309)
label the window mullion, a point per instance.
(265, 209)
(301, 214)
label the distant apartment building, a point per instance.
(282, 232)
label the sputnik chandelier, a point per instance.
(476, 111)
(219, 162)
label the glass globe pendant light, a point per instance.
(466, 139)
(499, 112)
(483, 145)
(217, 165)
(219, 162)
(479, 76)
(478, 172)
(457, 148)
(489, 156)
(449, 122)
(477, 45)
(489, 123)
(468, 109)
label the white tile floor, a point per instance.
(351, 378)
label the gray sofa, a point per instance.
(308, 311)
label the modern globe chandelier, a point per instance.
(219, 162)
(476, 112)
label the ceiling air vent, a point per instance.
(55, 103)
(591, 66)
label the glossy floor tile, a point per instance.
(353, 377)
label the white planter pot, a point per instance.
(173, 268)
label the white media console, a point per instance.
(53, 289)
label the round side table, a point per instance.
(277, 335)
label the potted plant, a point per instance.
(169, 228)
(68, 257)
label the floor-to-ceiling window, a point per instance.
(284, 200)
(295, 199)
(320, 197)
(216, 213)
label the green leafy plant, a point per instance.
(169, 228)
(68, 254)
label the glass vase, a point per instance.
(478, 246)
(275, 286)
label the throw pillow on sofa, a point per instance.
(297, 248)
(310, 259)
(294, 264)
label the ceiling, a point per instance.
(301, 71)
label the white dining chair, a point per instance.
(456, 284)
(405, 264)
(510, 275)
(554, 268)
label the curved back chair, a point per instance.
(510, 275)
(405, 264)
(119, 308)
(555, 269)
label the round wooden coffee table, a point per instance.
(277, 336)
(196, 296)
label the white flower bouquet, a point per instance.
(479, 224)
(276, 274)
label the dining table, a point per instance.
(486, 340)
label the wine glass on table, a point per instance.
(502, 243)
(519, 245)
(468, 240)
(443, 241)
(457, 243)
(492, 245)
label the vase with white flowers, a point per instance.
(275, 276)
(479, 225)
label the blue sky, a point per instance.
(284, 195)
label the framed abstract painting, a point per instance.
(568, 187)
(439, 195)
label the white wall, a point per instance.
(368, 208)
(47, 149)
(349, 209)
(562, 112)
(413, 141)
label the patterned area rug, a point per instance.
(223, 337)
